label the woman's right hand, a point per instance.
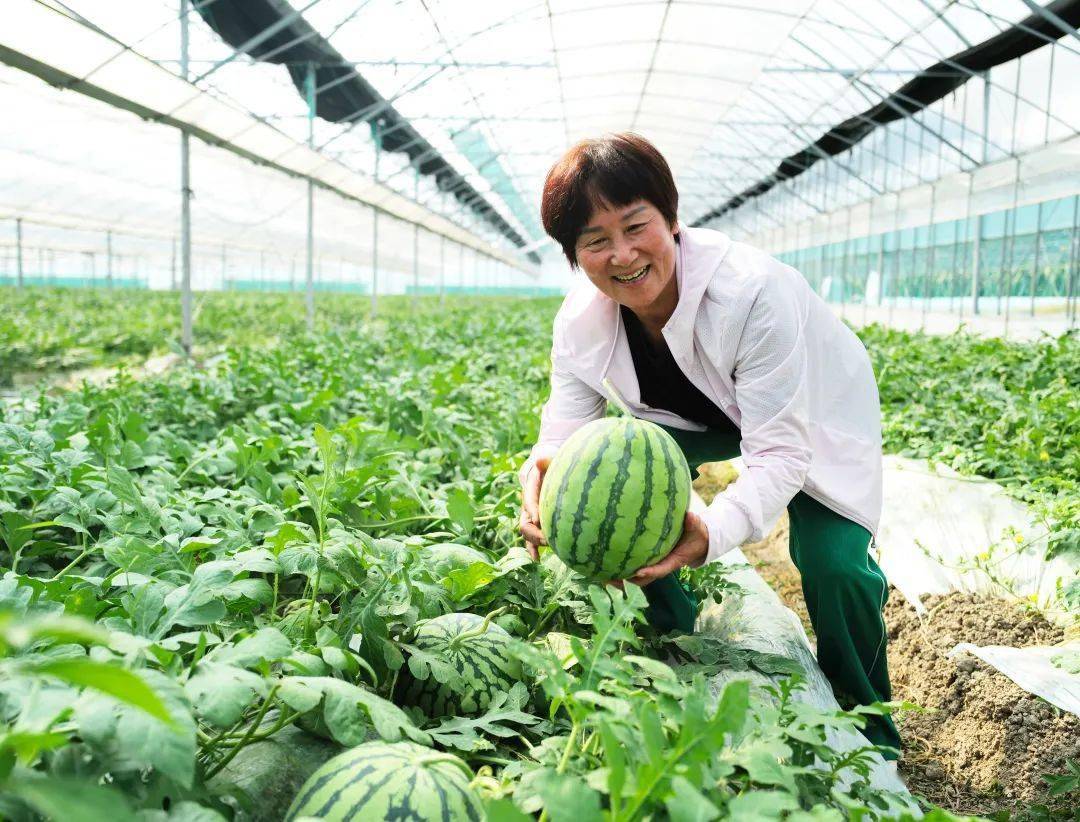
(530, 508)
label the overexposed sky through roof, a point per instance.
(725, 89)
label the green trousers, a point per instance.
(844, 590)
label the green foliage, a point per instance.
(194, 562)
(1004, 410)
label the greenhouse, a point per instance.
(539, 410)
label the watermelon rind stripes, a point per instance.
(389, 780)
(614, 497)
(483, 662)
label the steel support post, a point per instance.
(1074, 254)
(1035, 262)
(976, 270)
(416, 242)
(375, 226)
(877, 266)
(309, 294)
(847, 266)
(1007, 268)
(976, 265)
(442, 269)
(967, 235)
(186, 332)
(18, 252)
(953, 264)
(915, 232)
(930, 257)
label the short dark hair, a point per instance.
(610, 171)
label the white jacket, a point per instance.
(755, 339)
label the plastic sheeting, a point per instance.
(944, 532)
(1033, 669)
(759, 621)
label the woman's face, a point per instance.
(629, 254)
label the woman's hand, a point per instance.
(529, 524)
(691, 550)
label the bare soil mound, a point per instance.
(985, 744)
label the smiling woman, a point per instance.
(735, 355)
(612, 205)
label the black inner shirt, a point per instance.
(663, 384)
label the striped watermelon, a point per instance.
(381, 780)
(479, 657)
(614, 497)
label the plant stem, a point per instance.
(569, 747)
(549, 612)
(393, 522)
(479, 629)
(564, 760)
(286, 718)
(191, 465)
(85, 553)
(246, 738)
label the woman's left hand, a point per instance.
(691, 549)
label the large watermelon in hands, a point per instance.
(614, 497)
(380, 780)
(476, 649)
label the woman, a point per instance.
(733, 353)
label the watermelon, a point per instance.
(480, 658)
(382, 780)
(614, 497)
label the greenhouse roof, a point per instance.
(727, 90)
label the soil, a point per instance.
(983, 744)
(987, 742)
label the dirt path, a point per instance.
(984, 743)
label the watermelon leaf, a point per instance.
(350, 712)
(463, 733)
(149, 741)
(568, 799)
(760, 805)
(221, 693)
(265, 645)
(688, 804)
(119, 683)
(503, 810)
(459, 507)
(72, 800)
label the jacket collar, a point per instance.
(593, 331)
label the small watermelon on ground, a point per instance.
(383, 780)
(476, 651)
(614, 497)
